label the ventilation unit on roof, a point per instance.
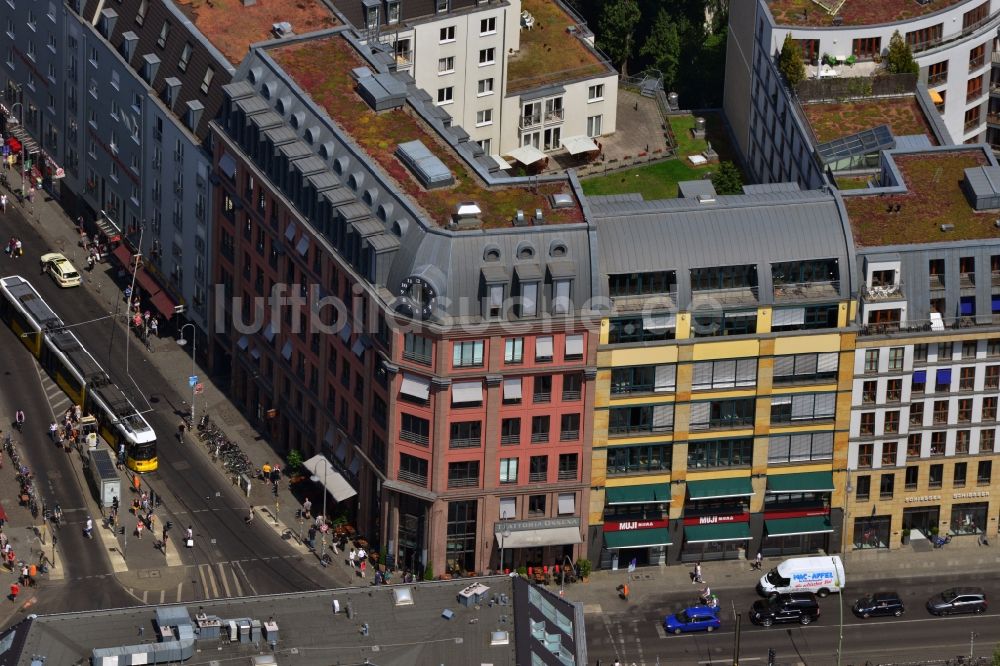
(561, 200)
(706, 199)
(539, 218)
(519, 220)
(402, 596)
(282, 29)
(467, 216)
(947, 227)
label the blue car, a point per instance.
(696, 618)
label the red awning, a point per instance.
(164, 303)
(14, 144)
(123, 255)
(148, 284)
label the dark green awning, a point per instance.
(717, 532)
(645, 494)
(805, 482)
(793, 526)
(659, 536)
(719, 488)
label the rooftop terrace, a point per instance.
(322, 68)
(820, 13)
(549, 53)
(934, 197)
(833, 121)
(231, 27)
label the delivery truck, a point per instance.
(819, 575)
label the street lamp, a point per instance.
(20, 123)
(194, 347)
(323, 526)
(504, 533)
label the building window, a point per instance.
(896, 355)
(919, 353)
(412, 469)
(417, 348)
(485, 87)
(539, 429)
(161, 41)
(392, 12)
(992, 380)
(871, 360)
(508, 470)
(542, 389)
(464, 474)
(513, 351)
(640, 459)
(445, 95)
(569, 427)
(446, 65)
(595, 93)
(488, 26)
(938, 442)
(568, 466)
(867, 423)
(987, 440)
(414, 429)
(985, 472)
(185, 57)
(467, 354)
(864, 488)
(973, 18)
(510, 431)
(643, 379)
(447, 34)
(890, 425)
(487, 56)
(925, 38)
(964, 410)
(893, 390)
(536, 505)
(720, 453)
(890, 451)
(465, 434)
(801, 407)
(977, 57)
(484, 117)
(733, 413)
(640, 419)
(887, 484)
(912, 477)
(799, 447)
(463, 527)
(538, 469)
(866, 48)
(958, 479)
(866, 453)
(798, 368)
(594, 125)
(917, 414)
(486, 145)
(206, 81)
(962, 440)
(734, 373)
(441, 5)
(543, 349)
(371, 16)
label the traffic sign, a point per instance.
(199, 389)
(192, 380)
(324, 527)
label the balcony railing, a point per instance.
(666, 301)
(404, 58)
(977, 62)
(411, 477)
(465, 443)
(514, 438)
(554, 116)
(414, 437)
(568, 474)
(569, 435)
(538, 477)
(937, 79)
(539, 437)
(460, 483)
(568, 396)
(730, 296)
(529, 122)
(887, 292)
(541, 397)
(807, 290)
(953, 37)
(973, 124)
(423, 359)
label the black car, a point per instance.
(880, 603)
(798, 607)
(958, 600)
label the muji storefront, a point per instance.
(644, 541)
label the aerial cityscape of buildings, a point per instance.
(519, 374)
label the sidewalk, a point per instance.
(173, 362)
(599, 594)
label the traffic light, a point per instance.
(770, 657)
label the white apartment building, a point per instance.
(510, 73)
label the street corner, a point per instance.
(154, 579)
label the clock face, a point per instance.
(421, 294)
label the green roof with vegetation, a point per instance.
(322, 68)
(549, 53)
(934, 197)
(903, 115)
(819, 13)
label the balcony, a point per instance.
(465, 443)
(804, 291)
(663, 301)
(541, 397)
(514, 438)
(404, 59)
(414, 478)
(530, 122)
(937, 79)
(569, 435)
(539, 437)
(568, 474)
(569, 396)
(416, 357)
(936, 282)
(882, 293)
(413, 437)
(977, 62)
(973, 124)
(554, 116)
(458, 483)
(538, 477)
(715, 298)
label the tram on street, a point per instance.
(77, 373)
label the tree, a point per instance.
(790, 62)
(900, 58)
(616, 31)
(294, 461)
(663, 47)
(728, 179)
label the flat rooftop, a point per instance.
(231, 27)
(322, 68)
(820, 13)
(309, 632)
(549, 53)
(903, 115)
(934, 197)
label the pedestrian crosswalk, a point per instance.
(219, 580)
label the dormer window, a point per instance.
(560, 297)
(371, 13)
(441, 6)
(161, 41)
(392, 12)
(529, 299)
(495, 308)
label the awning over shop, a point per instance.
(164, 304)
(646, 494)
(720, 488)
(806, 482)
(793, 526)
(329, 478)
(553, 536)
(579, 144)
(527, 155)
(123, 255)
(717, 532)
(659, 536)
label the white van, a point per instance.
(820, 575)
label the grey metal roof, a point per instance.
(295, 150)
(323, 181)
(252, 105)
(984, 181)
(864, 142)
(426, 166)
(368, 227)
(267, 120)
(767, 188)
(681, 234)
(281, 135)
(913, 142)
(337, 196)
(352, 211)
(311, 165)
(383, 242)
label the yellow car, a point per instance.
(61, 270)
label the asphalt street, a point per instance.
(194, 492)
(634, 633)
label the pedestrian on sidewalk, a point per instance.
(139, 526)
(128, 294)
(351, 558)
(758, 561)
(307, 509)
(18, 248)
(15, 590)
(154, 327)
(696, 576)
(3, 202)
(249, 519)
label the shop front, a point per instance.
(716, 519)
(872, 532)
(537, 545)
(642, 541)
(968, 518)
(797, 514)
(924, 519)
